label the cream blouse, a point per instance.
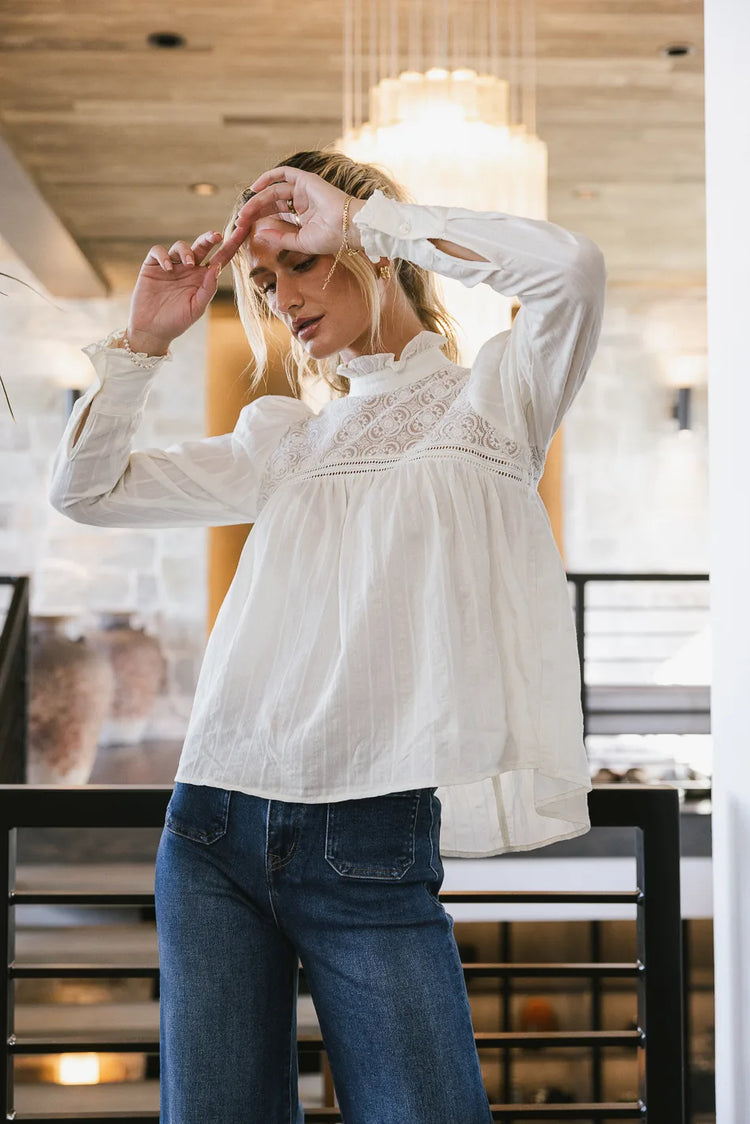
(399, 617)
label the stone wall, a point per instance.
(78, 570)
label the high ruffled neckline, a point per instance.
(376, 374)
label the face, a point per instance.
(292, 283)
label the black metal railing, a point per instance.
(14, 683)
(643, 708)
(657, 1039)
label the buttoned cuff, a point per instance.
(384, 224)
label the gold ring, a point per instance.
(290, 205)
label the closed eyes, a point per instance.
(301, 267)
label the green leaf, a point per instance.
(7, 399)
(27, 286)
(4, 294)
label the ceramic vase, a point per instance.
(139, 671)
(71, 688)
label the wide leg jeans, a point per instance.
(248, 887)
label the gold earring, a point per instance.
(384, 272)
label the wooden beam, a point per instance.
(228, 355)
(551, 489)
(35, 233)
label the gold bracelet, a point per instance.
(351, 253)
(344, 247)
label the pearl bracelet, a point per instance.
(140, 358)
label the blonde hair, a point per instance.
(359, 181)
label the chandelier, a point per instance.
(441, 94)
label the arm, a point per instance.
(214, 481)
(145, 348)
(527, 378)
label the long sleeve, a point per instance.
(208, 482)
(525, 379)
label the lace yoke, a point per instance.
(431, 418)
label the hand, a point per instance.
(319, 207)
(174, 289)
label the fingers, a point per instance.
(272, 200)
(183, 253)
(278, 240)
(284, 173)
(203, 245)
(160, 256)
(229, 247)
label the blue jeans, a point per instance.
(246, 888)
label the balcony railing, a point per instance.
(657, 1040)
(637, 635)
(14, 682)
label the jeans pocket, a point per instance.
(198, 812)
(374, 837)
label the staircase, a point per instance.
(52, 942)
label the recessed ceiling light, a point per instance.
(204, 188)
(166, 40)
(677, 50)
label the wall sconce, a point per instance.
(685, 373)
(681, 410)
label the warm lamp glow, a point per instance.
(686, 370)
(78, 1069)
(458, 133)
(447, 138)
(447, 133)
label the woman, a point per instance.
(398, 623)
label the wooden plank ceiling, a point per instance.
(114, 132)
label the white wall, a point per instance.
(635, 490)
(728, 173)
